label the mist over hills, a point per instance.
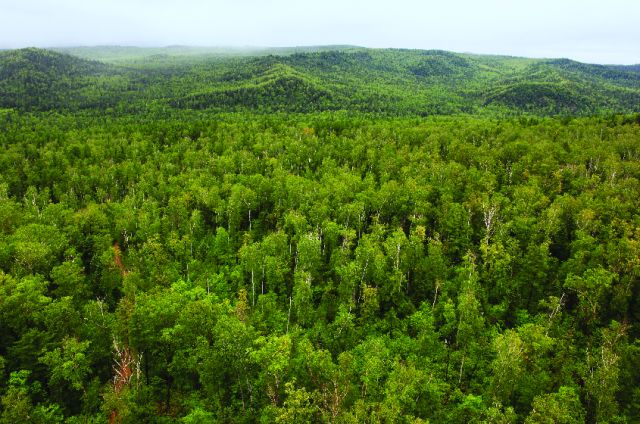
(310, 79)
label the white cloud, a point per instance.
(588, 30)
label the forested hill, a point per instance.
(388, 81)
(35, 79)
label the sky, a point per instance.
(585, 30)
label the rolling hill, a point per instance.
(389, 81)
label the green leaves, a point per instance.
(591, 290)
(318, 268)
(68, 364)
(36, 248)
(562, 407)
(298, 407)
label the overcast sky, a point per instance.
(586, 30)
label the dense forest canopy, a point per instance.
(292, 237)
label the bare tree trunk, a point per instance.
(289, 315)
(435, 297)
(461, 369)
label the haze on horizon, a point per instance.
(585, 30)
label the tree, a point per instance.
(242, 200)
(302, 297)
(68, 364)
(36, 248)
(602, 376)
(298, 406)
(562, 407)
(272, 355)
(590, 288)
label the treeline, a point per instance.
(318, 268)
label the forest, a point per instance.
(390, 82)
(338, 235)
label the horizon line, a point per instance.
(250, 47)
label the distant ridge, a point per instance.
(120, 53)
(309, 79)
